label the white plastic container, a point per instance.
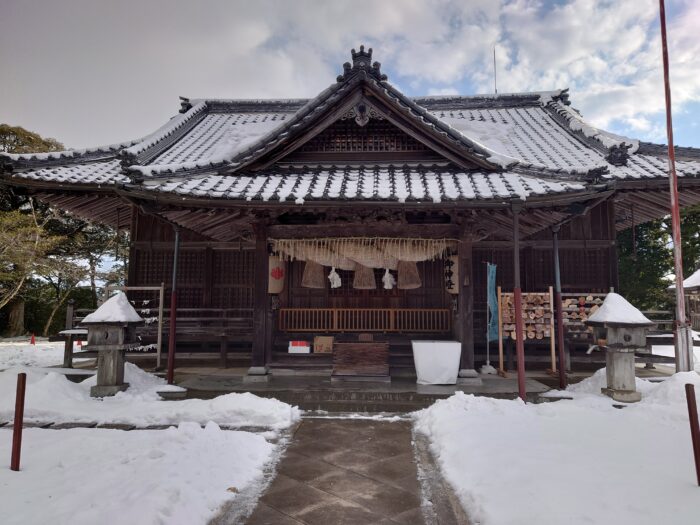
(437, 362)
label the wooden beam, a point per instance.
(299, 231)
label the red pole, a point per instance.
(682, 335)
(560, 340)
(519, 341)
(19, 421)
(694, 426)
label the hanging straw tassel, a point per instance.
(334, 278)
(364, 278)
(409, 278)
(388, 280)
(313, 276)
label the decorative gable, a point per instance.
(362, 137)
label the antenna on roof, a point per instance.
(495, 85)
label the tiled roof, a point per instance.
(527, 143)
(368, 183)
(651, 167)
(94, 173)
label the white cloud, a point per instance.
(96, 72)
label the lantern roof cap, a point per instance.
(116, 309)
(617, 311)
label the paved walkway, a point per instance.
(345, 471)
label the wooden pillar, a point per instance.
(559, 311)
(172, 332)
(208, 276)
(70, 314)
(68, 351)
(130, 276)
(260, 302)
(518, 304)
(612, 257)
(465, 305)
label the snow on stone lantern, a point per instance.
(624, 328)
(112, 331)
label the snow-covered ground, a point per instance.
(181, 475)
(575, 462)
(52, 397)
(86, 476)
(18, 352)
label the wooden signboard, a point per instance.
(323, 344)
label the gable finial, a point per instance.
(362, 61)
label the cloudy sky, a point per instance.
(91, 72)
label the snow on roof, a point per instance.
(691, 282)
(228, 144)
(606, 138)
(116, 309)
(617, 310)
(434, 183)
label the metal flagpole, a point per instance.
(683, 336)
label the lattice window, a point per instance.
(190, 268)
(233, 279)
(377, 136)
(585, 270)
(153, 267)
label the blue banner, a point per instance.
(492, 302)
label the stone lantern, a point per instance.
(623, 328)
(111, 332)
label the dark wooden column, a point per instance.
(518, 303)
(465, 304)
(612, 257)
(559, 311)
(260, 301)
(208, 276)
(133, 237)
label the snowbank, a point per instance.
(21, 353)
(176, 476)
(52, 397)
(578, 461)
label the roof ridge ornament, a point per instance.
(185, 105)
(618, 154)
(361, 61)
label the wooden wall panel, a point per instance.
(230, 284)
(595, 225)
(151, 229)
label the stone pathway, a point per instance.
(345, 471)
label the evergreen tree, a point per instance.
(43, 249)
(690, 239)
(645, 260)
